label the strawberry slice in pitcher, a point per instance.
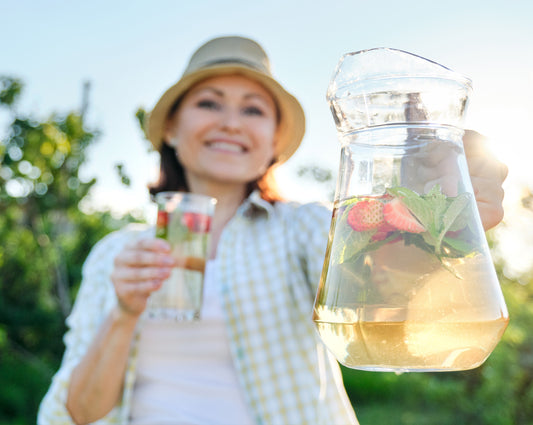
(398, 215)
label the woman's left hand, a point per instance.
(487, 175)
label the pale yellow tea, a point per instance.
(396, 294)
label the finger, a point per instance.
(139, 274)
(446, 175)
(474, 143)
(132, 298)
(435, 164)
(448, 184)
(490, 214)
(439, 152)
(142, 258)
(501, 171)
(487, 168)
(150, 244)
(480, 158)
(130, 291)
(487, 190)
(489, 199)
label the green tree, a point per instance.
(44, 241)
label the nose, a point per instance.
(231, 120)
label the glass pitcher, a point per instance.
(408, 283)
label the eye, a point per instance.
(208, 104)
(253, 110)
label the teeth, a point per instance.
(227, 146)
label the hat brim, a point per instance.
(292, 118)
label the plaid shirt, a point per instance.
(270, 259)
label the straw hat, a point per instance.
(233, 55)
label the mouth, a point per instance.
(226, 146)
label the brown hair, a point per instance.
(172, 177)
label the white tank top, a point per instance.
(185, 374)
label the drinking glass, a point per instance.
(184, 220)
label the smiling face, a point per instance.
(224, 131)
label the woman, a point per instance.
(254, 358)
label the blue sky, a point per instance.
(131, 51)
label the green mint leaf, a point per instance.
(456, 207)
(419, 240)
(435, 191)
(438, 205)
(354, 244)
(430, 240)
(464, 218)
(459, 248)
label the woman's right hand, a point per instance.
(140, 269)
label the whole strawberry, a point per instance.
(366, 215)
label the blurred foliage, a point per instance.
(124, 178)
(142, 120)
(45, 238)
(527, 199)
(10, 88)
(44, 241)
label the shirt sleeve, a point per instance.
(309, 227)
(95, 299)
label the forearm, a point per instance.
(97, 382)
